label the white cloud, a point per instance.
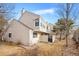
(44, 11)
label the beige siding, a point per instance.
(43, 38)
(28, 19)
(34, 40)
(53, 38)
(42, 26)
(19, 33)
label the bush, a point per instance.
(18, 43)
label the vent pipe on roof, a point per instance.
(22, 11)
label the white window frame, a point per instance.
(34, 35)
(37, 22)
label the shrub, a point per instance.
(18, 43)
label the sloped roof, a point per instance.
(17, 22)
(22, 24)
(25, 25)
(32, 13)
(29, 13)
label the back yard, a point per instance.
(41, 49)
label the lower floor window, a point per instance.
(34, 34)
(10, 35)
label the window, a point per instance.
(34, 34)
(37, 22)
(10, 35)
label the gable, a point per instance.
(28, 19)
(16, 23)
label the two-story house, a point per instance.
(28, 30)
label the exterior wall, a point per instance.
(19, 33)
(51, 26)
(43, 38)
(35, 40)
(53, 38)
(24, 35)
(28, 19)
(42, 26)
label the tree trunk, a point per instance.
(66, 40)
(60, 35)
(67, 33)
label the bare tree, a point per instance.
(7, 10)
(6, 13)
(68, 11)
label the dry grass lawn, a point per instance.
(50, 49)
(41, 49)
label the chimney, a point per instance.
(22, 11)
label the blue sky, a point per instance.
(46, 10)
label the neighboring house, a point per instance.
(28, 30)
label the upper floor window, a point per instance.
(37, 22)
